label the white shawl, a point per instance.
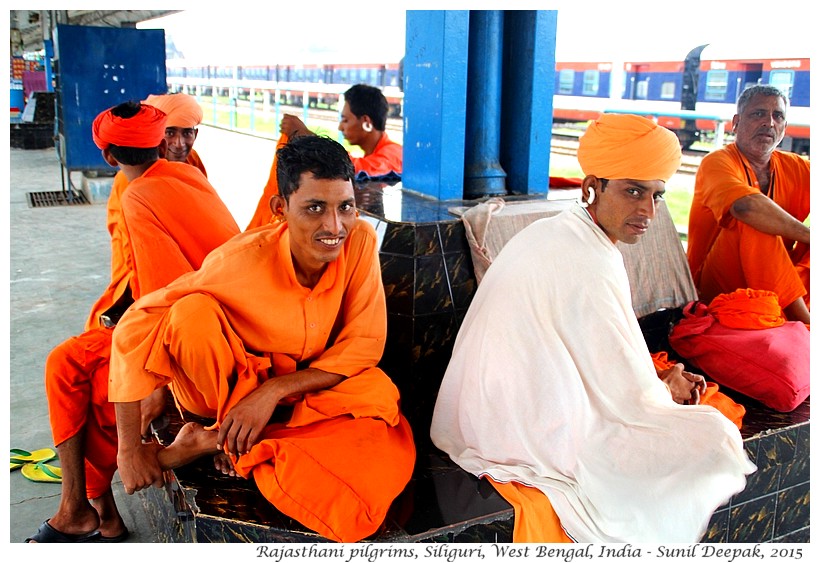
(551, 385)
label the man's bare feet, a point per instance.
(223, 463)
(192, 442)
(111, 523)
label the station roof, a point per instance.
(32, 26)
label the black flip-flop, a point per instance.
(48, 534)
(115, 539)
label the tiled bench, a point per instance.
(429, 282)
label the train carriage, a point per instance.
(691, 95)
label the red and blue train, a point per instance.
(326, 81)
(695, 96)
(690, 96)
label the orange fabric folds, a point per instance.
(182, 109)
(76, 383)
(747, 308)
(144, 130)
(615, 146)
(535, 519)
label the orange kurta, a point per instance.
(726, 254)
(263, 213)
(216, 334)
(385, 158)
(76, 374)
(120, 252)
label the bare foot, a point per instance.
(192, 442)
(223, 463)
(111, 523)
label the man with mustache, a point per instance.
(746, 225)
(565, 414)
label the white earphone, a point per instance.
(590, 197)
(367, 126)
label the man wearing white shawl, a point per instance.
(564, 411)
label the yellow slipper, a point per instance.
(42, 472)
(19, 458)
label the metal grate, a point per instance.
(55, 199)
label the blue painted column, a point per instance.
(529, 85)
(435, 101)
(483, 174)
(48, 44)
(497, 139)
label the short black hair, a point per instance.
(322, 156)
(131, 156)
(363, 99)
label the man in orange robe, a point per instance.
(746, 225)
(363, 121)
(171, 219)
(183, 114)
(277, 338)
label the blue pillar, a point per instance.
(497, 139)
(529, 85)
(483, 174)
(48, 44)
(435, 101)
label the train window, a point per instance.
(641, 89)
(783, 80)
(566, 81)
(668, 91)
(717, 83)
(591, 78)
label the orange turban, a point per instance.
(747, 308)
(619, 146)
(144, 130)
(182, 110)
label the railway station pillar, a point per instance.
(497, 138)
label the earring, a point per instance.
(367, 126)
(590, 198)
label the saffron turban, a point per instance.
(144, 130)
(182, 110)
(619, 146)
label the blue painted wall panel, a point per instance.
(435, 93)
(100, 67)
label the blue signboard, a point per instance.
(97, 68)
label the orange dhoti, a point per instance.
(340, 460)
(535, 519)
(76, 381)
(743, 257)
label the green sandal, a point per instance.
(18, 458)
(42, 472)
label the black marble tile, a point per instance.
(793, 510)
(462, 279)
(795, 472)
(453, 237)
(762, 482)
(432, 290)
(753, 521)
(399, 238)
(399, 280)
(800, 536)
(427, 240)
(718, 528)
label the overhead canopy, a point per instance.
(35, 25)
